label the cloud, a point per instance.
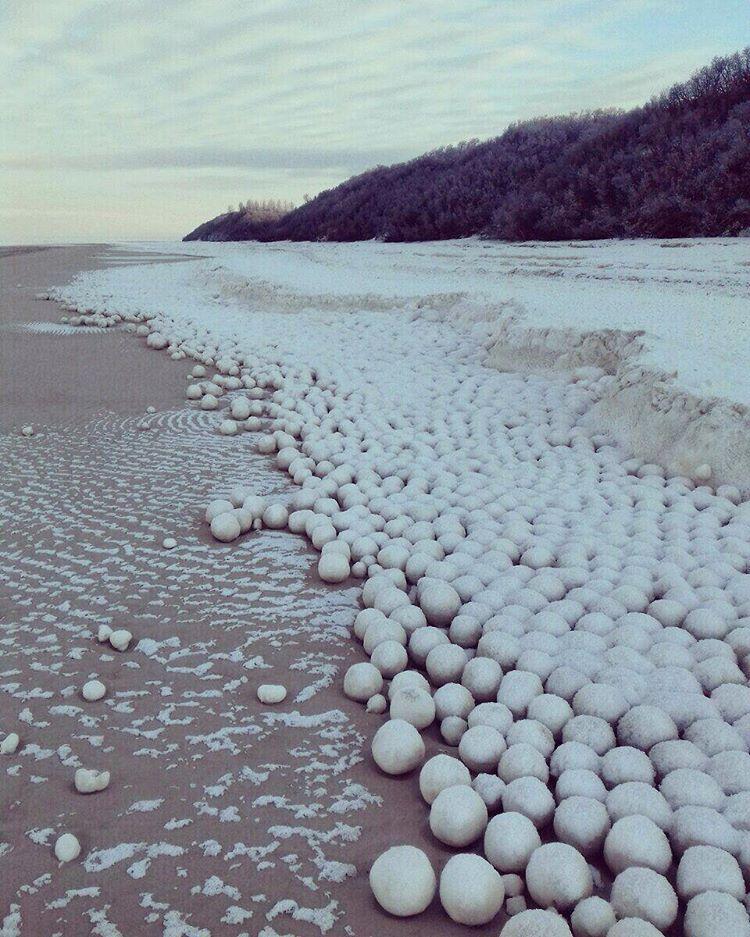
(101, 96)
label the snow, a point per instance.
(538, 506)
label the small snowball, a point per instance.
(582, 823)
(275, 517)
(169, 543)
(490, 788)
(403, 881)
(532, 798)
(458, 815)
(377, 704)
(471, 891)
(120, 639)
(90, 781)
(397, 747)
(558, 876)
(645, 726)
(9, 744)
(333, 567)
(270, 693)
(390, 658)
(480, 748)
(452, 729)
(93, 690)
(67, 848)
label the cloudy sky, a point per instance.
(142, 118)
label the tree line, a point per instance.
(677, 167)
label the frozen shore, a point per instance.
(573, 618)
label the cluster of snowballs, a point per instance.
(575, 625)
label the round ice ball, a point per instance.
(636, 840)
(458, 815)
(583, 823)
(225, 527)
(362, 681)
(403, 881)
(413, 705)
(643, 893)
(471, 890)
(558, 876)
(440, 772)
(713, 913)
(333, 567)
(480, 748)
(390, 658)
(706, 868)
(93, 690)
(216, 507)
(536, 923)
(592, 917)
(509, 841)
(439, 601)
(397, 747)
(67, 848)
(275, 516)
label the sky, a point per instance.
(139, 119)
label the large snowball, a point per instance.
(471, 891)
(558, 876)
(509, 841)
(362, 681)
(397, 747)
(413, 705)
(403, 881)
(439, 601)
(440, 772)
(713, 914)
(458, 815)
(645, 894)
(536, 923)
(636, 840)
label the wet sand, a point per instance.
(222, 816)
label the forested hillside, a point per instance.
(677, 167)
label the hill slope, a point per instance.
(677, 167)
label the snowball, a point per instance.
(705, 868)
(390, 658)
(169, 543)
(445, 664)
(623, 764)
(536, 923)
(270, 693)
(633, 927)
(93, 690)
(423, 640)
(490, 788)
(636, 797)
(89, 780)
(643, 893)
(687, 787)
(491, 714)
(517, 689)
(9, 744)
(275, 517)
(480, 748)
(225, 527)
(67, 848)
(452, 699)
(414, 705)
(592, 917)
(439, 601)
(411, 679)
(521, 761)
(552, 711)
(377, 704)
(333, 567)
(471, 891)
(120, 639)
(509, 841)
(636, 840)
(403, 881)
(440, 772)
(530, 797)
(582, 823)
(397, 747)
(714, 913)
(458, 815)
(579, 782)
(702, 826)
(645, 726)
(227, 427)
(362, 681)
(452, 729)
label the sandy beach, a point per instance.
(222, 816)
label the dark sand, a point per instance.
(218, 808)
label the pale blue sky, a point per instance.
(142, 118)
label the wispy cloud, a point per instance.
(279, 97)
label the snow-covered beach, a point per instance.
(543, 492)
